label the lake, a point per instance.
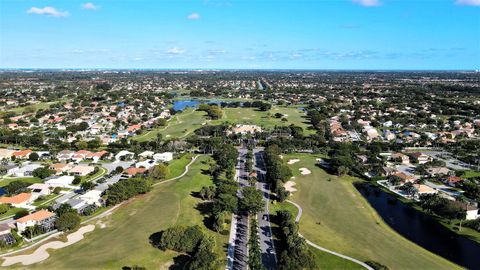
(422, 229)
(180, 105)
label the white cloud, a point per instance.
(175, 50)
(90, 6)
(468, 2)
(368, 3)
(193, 16)
(48, 11)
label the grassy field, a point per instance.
(336, 216)
(181, 125)
(33, 107)
(124, 239)
(6, 181)
(265, 119)
(323, 259)
(177, 166)
(184, 123)
(471, 174)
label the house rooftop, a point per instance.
(17, 199)
(37, 216)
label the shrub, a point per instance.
(67, 222)
(4, 208)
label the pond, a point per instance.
(422, 229)
(180, 105)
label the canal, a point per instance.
(422, 229)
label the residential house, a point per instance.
(6, 234)
(39, 189)
(424, 189)
(389, 136)
(20, 200)
(124, 155)
(81, 170)
(60, 168)
(93, 197)
(421, 158)
(6, 154)
(438, 171)
(61, 181)
(387, 171)
(132, 172)
(9, 169)
(146, 154)
(133, 128)
(76, 204)
(43, 218)
(404, 159)
(163, 157)
(472, 213)
(27, 170)
(244, 129)
(147, 164)
(65, 155)
(453, 181)
(405, 178)
(22, 154)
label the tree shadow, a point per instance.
(195, 194)
(154, 238)
(180, 262)
(205, 209)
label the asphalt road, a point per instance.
(269, 257)
(240, 257)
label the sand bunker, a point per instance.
(305, 171)
(289, 186)
(41, 253)
(293, 161)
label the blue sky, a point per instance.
(282, 34)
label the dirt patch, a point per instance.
(293, 161)
(289, 186)
(304, 171)
(41, 253)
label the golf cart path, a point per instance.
(297, 219)
(104, 214)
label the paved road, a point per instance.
(240, 254)
(111, 166)
(267, 247)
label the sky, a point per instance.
(242, 34)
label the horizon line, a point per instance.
(235, 69)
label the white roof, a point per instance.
(38, 186)
(92, 194)
(60, 181)
(147, 154)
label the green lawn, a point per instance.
(45, 199)
(323, 259)
(184, 123)
(266, 119)
(337, 217)
(471, 174)
(181, 125)
(10, 212)
(33, 107)
(124, 240)
(6, 181)
(177, 166)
